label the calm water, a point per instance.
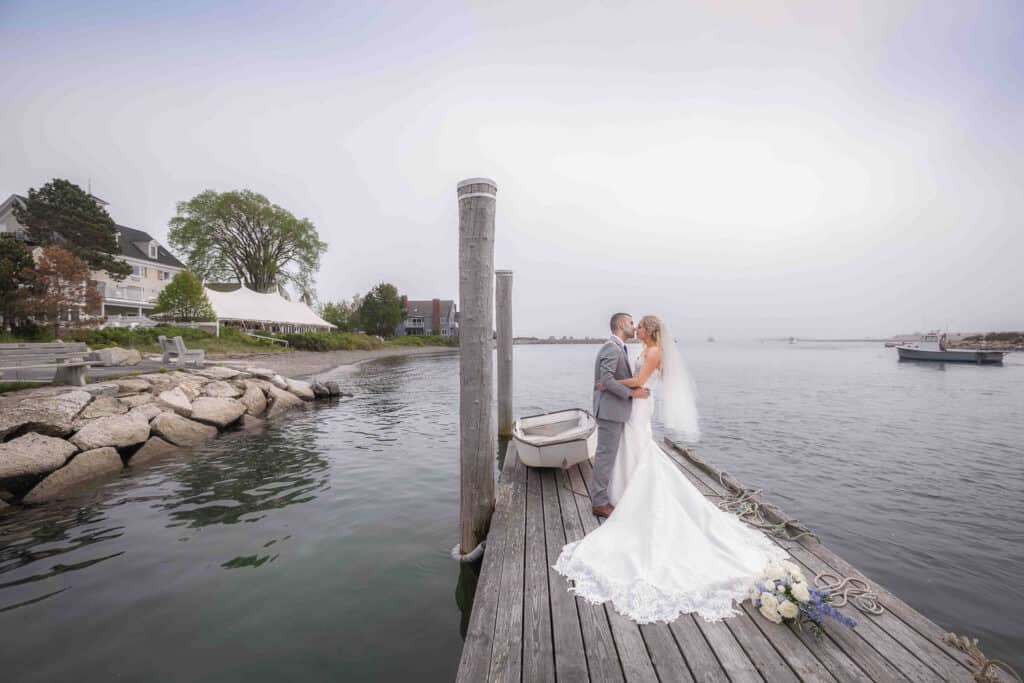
(319, 549)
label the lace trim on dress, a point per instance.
(645, 603)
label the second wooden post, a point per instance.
(503, 307)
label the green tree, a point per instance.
(61, 213)
(15, 266)
(242, 237)
(344, 314)
(381, 310)
(184, 299)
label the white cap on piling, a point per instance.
(476, 181)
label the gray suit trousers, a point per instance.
(609, 434)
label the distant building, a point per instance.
(433, 317)
(152, 265)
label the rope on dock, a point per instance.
(853, 589)
(986, 666)
(472, 556)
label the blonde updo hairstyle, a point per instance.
(652, 325)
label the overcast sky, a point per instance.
(743, 168)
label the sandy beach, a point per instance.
(305, 364)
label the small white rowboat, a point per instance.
(559, 439)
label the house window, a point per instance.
(163, 275)
(139, 271)
(153, 250)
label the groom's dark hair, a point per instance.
(616, 319)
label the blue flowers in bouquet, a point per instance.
(783, 595)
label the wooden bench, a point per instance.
(68, 359)
(176, 347)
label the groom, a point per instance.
(611, 407)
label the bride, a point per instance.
(666, 550)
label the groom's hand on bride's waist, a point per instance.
(639, 392)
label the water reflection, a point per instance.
(242, 478)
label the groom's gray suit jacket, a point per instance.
(611, 408)
(614, 403)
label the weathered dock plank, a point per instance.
(506, 659)
(602, 659)
(570, 658)
(476, 651)
(527, 626)
(538, 648)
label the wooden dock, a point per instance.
(526, 626)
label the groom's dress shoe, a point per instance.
(602, 510)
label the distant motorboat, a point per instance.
(711, 340)
(559, 439)
(933, 347)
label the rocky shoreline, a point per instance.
(56, 439)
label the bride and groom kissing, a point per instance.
(663, 549)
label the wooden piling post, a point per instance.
(503, 315)
(476, 197)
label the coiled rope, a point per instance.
(742, 504)
(853, 589)
(986, 667)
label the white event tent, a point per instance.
(264, 311)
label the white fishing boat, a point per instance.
(933, 347)
(559, 439)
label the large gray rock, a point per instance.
(147, 410)
(33, 454)
(129, 385)
(261, 373)
(159, 380)
(84, 466)
(217, 372)
(119, 431)
(219, 412)
(53, 415)
(190, 377)
(177, 400)
(301, 389)
(333, 387)
(320, 389)
(281, 402)
(100, 389)
(151, 450)
(221, 389)
(116, 356)
(103, 406)
(279, 382)
(136, 400)
(253, 399)
(181, 431)
(263, 384)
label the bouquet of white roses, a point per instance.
(782, 595)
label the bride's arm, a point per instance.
(652, 360)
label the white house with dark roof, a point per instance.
(436, 317)
(152, 265)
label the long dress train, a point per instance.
(666, 550)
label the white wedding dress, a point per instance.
(666, 550)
